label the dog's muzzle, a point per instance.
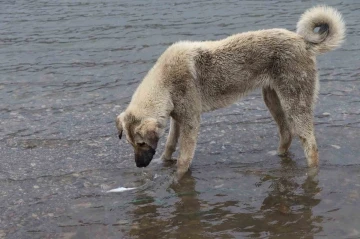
(144, 157)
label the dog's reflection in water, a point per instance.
(194, 212)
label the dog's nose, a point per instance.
(143, 158)
(142, 164)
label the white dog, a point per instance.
(194, 77)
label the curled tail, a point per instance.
(323, 27)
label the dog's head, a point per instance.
(142, 133)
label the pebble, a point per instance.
(272, 152)
(121, 222)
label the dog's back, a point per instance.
(227, 69)
(232, 67)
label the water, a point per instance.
(69, 67)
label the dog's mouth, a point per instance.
(144, 157)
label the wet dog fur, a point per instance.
(190, 78)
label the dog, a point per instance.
(190, 78)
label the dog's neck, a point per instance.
(139, 112)
(158, 109)
(152, 99)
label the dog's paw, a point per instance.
(180, 172)
(167, 158)
(282, 152)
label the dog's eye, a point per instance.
(141, 144)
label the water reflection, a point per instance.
(286, 210)
(184, 209)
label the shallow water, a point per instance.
(69, 67)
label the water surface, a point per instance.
(69, 67)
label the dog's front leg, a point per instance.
(172, 140)
(189, 130)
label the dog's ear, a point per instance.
(149, 129)
(119, 126)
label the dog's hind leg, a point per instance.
(298, 107)
(172, 140)
(189, 130)
(273, 103)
